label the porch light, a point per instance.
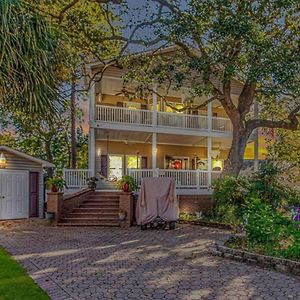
(217, 164)
(3, 161)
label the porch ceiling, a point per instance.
(167, 139)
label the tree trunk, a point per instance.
(235, 159)
(49, 156)
(73, 126)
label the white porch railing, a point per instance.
(76, 178)
(187, 181)
(182, 121)
(221, 124)
(123, 115)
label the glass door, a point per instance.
(115, 166)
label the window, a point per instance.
(176, 105)
(133, 162)
(132, 105)
(176, 162)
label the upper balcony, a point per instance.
(156, 119)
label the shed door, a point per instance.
(33, 194)
(14, 196)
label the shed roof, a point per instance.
(42, 162)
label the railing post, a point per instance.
(156, 172)
(154, 150)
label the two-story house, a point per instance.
(143, 138)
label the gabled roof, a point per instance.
(42, 162)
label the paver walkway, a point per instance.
(104, 263)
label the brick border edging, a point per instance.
(207, 224)
(279, 264)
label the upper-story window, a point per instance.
(175, 105)
(132, 105)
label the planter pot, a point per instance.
(126, 188)
(122, 216)
(49, 216)
(54, 189)
(92, 185)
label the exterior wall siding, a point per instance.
(162, 150)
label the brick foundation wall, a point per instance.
(195, 203)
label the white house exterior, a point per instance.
(147, 138)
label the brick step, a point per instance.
(92, 215)
(99, 205)
(102, 224)
(100, 202)
(107, 193)
(89, 220)
(96, 210)
(100, 197)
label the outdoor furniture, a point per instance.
(157, 203)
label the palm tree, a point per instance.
(30, 59)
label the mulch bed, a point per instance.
(207, 224)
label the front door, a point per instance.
(14, 194)
(115, 166)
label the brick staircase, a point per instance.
(99, 209)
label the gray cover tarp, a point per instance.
(157, 197)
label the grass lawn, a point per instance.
(15, 284)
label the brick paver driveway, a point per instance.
(103, 263)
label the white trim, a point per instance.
(42, 162)
(158, 143)
(159, 129)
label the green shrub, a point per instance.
(263, 224)
(232, 195)
(229, 195)
(269, 187)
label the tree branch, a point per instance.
(291, 123)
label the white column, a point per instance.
(256, 140)
(92, 141)
(154, 150)
(92, 150)
(92, 102)
(154, 103)
(209, 160)
(209, 116)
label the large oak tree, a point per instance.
(254, 42)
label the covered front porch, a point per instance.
(193, 161)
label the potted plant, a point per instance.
(122, 215)
(127, 184)
(92, 182)
(56, 183)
